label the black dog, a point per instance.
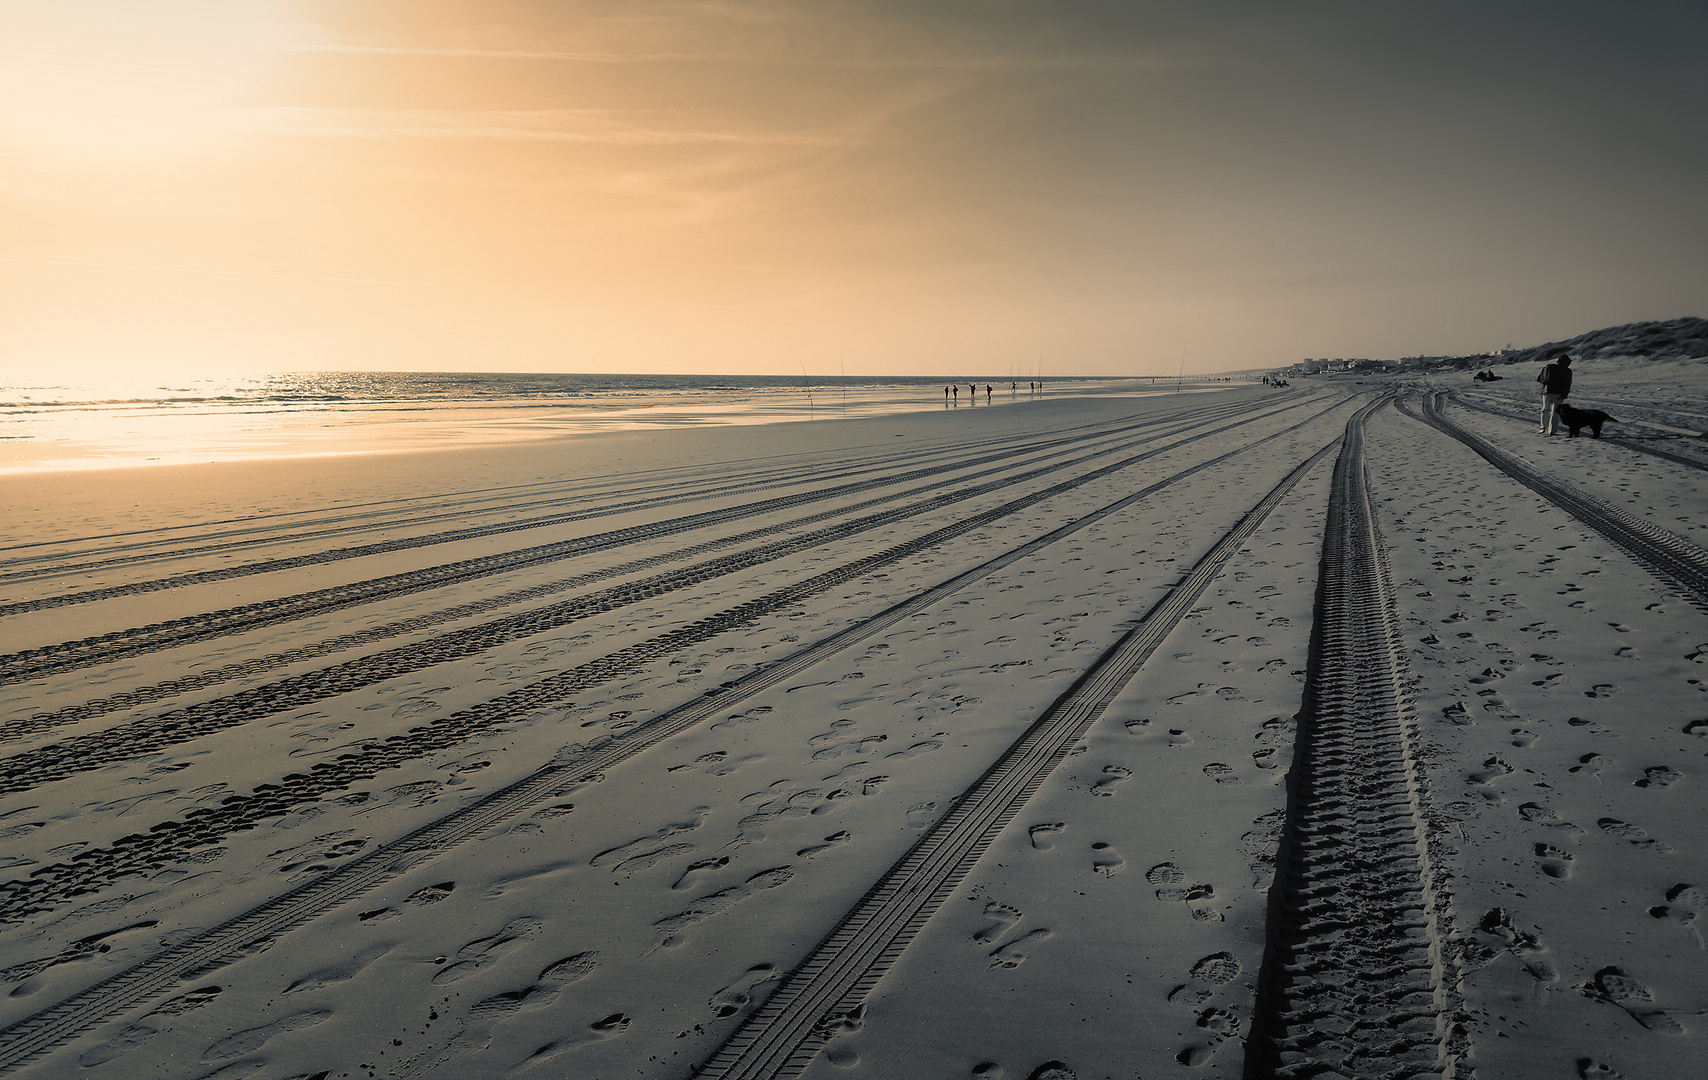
(1578, 419)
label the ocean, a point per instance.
(47, 425)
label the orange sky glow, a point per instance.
(1098, 188)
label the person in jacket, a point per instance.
(1556, 380)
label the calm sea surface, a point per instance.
(47, 425)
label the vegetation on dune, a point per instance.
(1671, 339)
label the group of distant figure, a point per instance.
(1487, 376)
(952, 394)
(1273, 380)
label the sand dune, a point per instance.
(1348, 729)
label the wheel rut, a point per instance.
(26, 567)
(122, 644)
(1358, 977)
(499, 562)
(1618, 440)
(99, 749)
(1679, 564)
(362, 517)
(827, 990)
(35, 1036)
(96, 868)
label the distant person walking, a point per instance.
(987, 392)
(1556, 380)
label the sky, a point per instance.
(1095, 187)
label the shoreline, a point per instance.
(139, 434)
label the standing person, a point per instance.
(957, 391)
(1556, 380)
(945, 395)
(987, 391)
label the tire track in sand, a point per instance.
(826, 992)
(99, 749)
(1359, 974)
(94, 868)
(135, 641)
(1678, 563)
(1618, 440)
(31, 1038)
(258, 665)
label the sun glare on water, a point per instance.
(115, 76)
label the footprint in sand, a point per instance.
(1538, 814)
(137, 1034)
(1113, 774)
(1589, 765)
(1626, 831)
(835, 838)
(1015, 953)
(1497, 922)
(1594, 729)
(1684, 903)
(612, 856)
(482, 951)
(245, 1042)
(1263, 759)
(1218, 1025)
(1178, 737)
(1189, 995)
(1052, 1070)
(570, 969)
(1493, 768)
(1522, 737)
(1104, 860)
(921, 816)
(1040, 833)
(1591, 1069)
(738, 995)
(510, 1001)
(1222, 773)
(1170, 877)
(646, 860)
(694, 868)
(1217, 969)
(598, 1031)
(1164, 874)
(1002, 918)
(836, 1028)
(1616, 986)
(1138, 727)
(1554, 862)
(345, 970)
(714, 903)
(1659, 776)
(916, 749)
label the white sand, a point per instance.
(623, 927)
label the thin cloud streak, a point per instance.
(536, 125)
(223, 273)
(980, 63)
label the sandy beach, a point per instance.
(1352, 729)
